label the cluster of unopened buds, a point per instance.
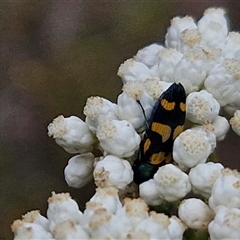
(205, 58)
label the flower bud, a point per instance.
(226, 190)
(201, 107)
(118, 138)
(195, 213)
(79, 170)
(191, 147)
(112, 171)
(225, 224)
(62, 207)
(148, 191)
(132, 70)
(149, 54)
(97, 110)
(203, 176)
(172, 183)
(235, 122)
(72, 134)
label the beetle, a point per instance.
(165, 124)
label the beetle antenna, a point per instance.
(143, 113)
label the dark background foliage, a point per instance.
(53, 55)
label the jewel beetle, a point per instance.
(165, 124)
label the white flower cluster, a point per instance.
(204, 57)
(104, 218)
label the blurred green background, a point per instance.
(55, 54)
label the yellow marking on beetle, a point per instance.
(162, 129)
(169, 106)
(177, 131)
(157, 158)
(146, 145)
(183, 106)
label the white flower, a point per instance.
(172, 183)
(231, 47)
(149, 54)
(132, 70)
(203, 176)
(148, 191)
(132, 213)
(190, 70)
(226, 190)
(190, 39)
(155, 87)
(128, 107)
(30, 231)
(35, 217)
(97, 110)
(201, 107)
(72, 134)
(79, 170)
(221, 127)
(118, 138)
(112, 171)
(168, 59)
(195, 213)
(235, 122)
(223, 82)
(191, 147)
(62, 207)
(160, 226)
(213, 27)
(225, 224)
(108, 197)
(68, 230)
(178, 25)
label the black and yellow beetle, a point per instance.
(166, 123)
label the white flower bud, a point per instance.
(191, 147)
(231, 47)
(178, 25)
(195, 213)
(30, 231)
(79, 170)
(203, 176)
(129, 109)
(132, 213)
(176, 228)
(201, 107)
(221, 127)
(168, 59)
(235, 122)
(136, 234)
(68, 230)
(222, 82)
(160, 226)
(149, 55)
(172, 183)
(112, 171)
(118, 138)
(132, 70)
(108, 197)
(36, 217)
(190, 70)
(72, 134)
(148, 191)
(62, 207)
(225, 224)
(213, 27)
(97, 110)
(226, 190)
(155, 87)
